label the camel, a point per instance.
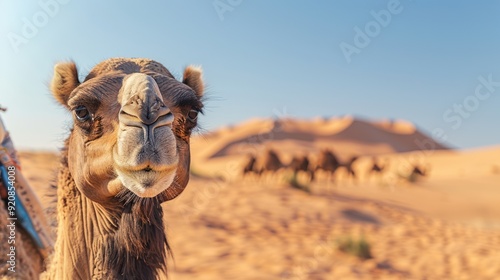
(127, 153)
(413, 173)
(301, 164)
(26, 260)
(417, 172)
(348, 165)
(250, 166)
(328, 162)
(376, 168)
(271, 163)
(29, 233)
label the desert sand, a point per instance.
(444, 226)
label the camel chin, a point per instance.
(146, 183)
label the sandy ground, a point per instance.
(445, 226)
(440, 228)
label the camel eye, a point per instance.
(82, 114)
(193, 115)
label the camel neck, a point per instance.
(117, 241)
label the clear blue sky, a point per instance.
(268, 58)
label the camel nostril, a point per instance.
(147, 113)
(143, 101)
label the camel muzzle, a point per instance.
(143, 106)
(145, 156)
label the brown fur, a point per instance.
(327, 161)
(250, 166)
(64, 81)
(349, 167)
(193, 78)
(271, 162)
(106, 231)
(138, 247)
(29, 262)
(299, 164)
(376, 168)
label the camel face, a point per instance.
(132, 122)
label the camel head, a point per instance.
(131, 126)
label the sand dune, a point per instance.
(345, 135)
(227, 147)
(444, 226)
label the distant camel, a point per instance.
(328, 162)
(348, 165)
(301, 164)
(250, 166)
(376, 168)
(418, 171)
(414, 174)
(271, 163)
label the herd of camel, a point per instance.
(326, 161)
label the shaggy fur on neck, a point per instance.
(134, 246)
(137, 250)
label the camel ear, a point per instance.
(65, 80)
(193, 78)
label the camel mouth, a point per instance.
(147, 181)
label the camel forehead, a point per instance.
(109, 88)
(150, 69)
(128, 66)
